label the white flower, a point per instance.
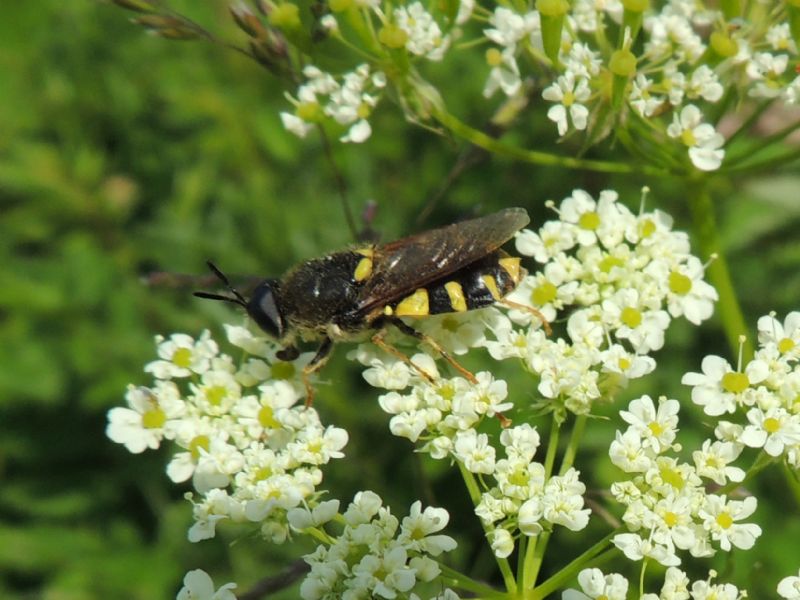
(474, 451)
(719, 389)
(713, 461)
(641, 98)
(687, 293)
(705, 590)
(553, 238)
(772, 430)
(508, 27)
(424, 34)
(149, 418)
(197, 585)
(703, 141)
(417, 528)
(181, 356)
(785, 337)
(562, 501)
(502, 543)
(504, 73)
(704, 84)
(569, 93)
(629, 454)
(635, 547)
(765, 70)
(596, 585)
(657, 427)
(789, 587)
(303, 518)
(720, 518)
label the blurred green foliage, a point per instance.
(122, 153)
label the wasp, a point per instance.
(452, 269)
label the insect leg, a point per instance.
(408, 330)
(378, 340)
(320, 358)
(530, 309)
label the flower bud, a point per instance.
(552, 16)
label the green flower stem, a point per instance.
(475, 496)
(574, 441)
(599, 552)
(495, 146)
(533, 562)
(762, 461)
(534, 553)
(705, 226)
(764, 144)
(770, 163)
(552, 447)
(453, 578)
(645, 562)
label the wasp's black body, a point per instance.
(451, 269)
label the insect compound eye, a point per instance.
(263, 309)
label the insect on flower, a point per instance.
(455, 268)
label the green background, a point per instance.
(122, 153)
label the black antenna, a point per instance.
(237, 299)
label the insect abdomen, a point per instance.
(480, 284)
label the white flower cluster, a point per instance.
(423, 35)
(251, 451)
(376, 555)
(685, 63)
(523, 497)
(676, 587)
(620, 277)
(766, 390)
(348, 102)
(198, 585)
(667, 506)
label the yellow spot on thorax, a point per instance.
(456, 295)
(363, 269)
(415, 305)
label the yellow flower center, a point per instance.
(771, 425)
(672, 477)
(589, 221)
(311, 112)
(724, 520)
(655, 428)
(153, 418)
(568, 99)
(679, 283)
(182, 357)
(282, 370)
(266, 418)
(215, 394)
(494, 58)
(786, 345)
(734, 382)
(544, 294)
(687, 137)
(631, 317)
(646, 228)
(609, 262)
(198, 442)
(671, 519)
(263, 473)
(624, 364)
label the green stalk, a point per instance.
(705, 226)
(762, 461)
(574, 441)
(475, 496)
(593, 554)
(480, 139)
(453, 578)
